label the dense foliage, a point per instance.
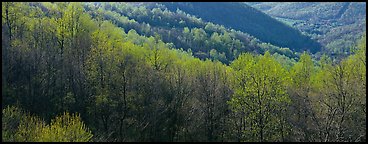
(22, 127)
(119, 85)
(203, 39)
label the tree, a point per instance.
(23, 127)
(260, 95)
(199, 37)
(303, 116)
(341, 99)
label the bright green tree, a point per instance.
(260, 95)
(23, 127)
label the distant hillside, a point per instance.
(242, 17)
(340, 12)
(336, 25)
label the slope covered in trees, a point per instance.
(69, 75)
(336, 25)
(203, 39)
(242, 17)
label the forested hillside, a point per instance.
(336, 25)
(247, 19)
(203, 39)
(98, 72)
